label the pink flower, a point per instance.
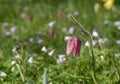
(74, 46)
(52, 33)
(59, 15)
(30, 18)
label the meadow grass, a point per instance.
(30, 65)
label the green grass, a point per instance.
(77, 70)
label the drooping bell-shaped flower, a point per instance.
(59, 14)
(74, 46)
(52, 32)
(30, 18)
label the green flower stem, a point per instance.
(82, 29)
(21, 74)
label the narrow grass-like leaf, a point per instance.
(45, 79)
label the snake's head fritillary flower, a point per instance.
(59, 15)
(74, 46)
(52, 33)
(30, 18)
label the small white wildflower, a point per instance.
(102, 40)
(7, 34)
(76, 13)
(118, 42)
(31, 40)
(14, 50)
(102, 57)
(51, 24)
(95, 33)
(22, 15)
(50, 83)
(14, 29)
(87, 43)
(61, 56)
(117, 55)
(71, 30)
(51, 52)
(5, 25)
(44, 49)
(13, 62)
(106, 22)
(117, 23)
(3, 74)
(39, 41)
(67, 37)
(61, 59)
(94, 42)
(30, 60)
(17, 56)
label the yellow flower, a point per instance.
(109, 4)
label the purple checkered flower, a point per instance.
(74, 46)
